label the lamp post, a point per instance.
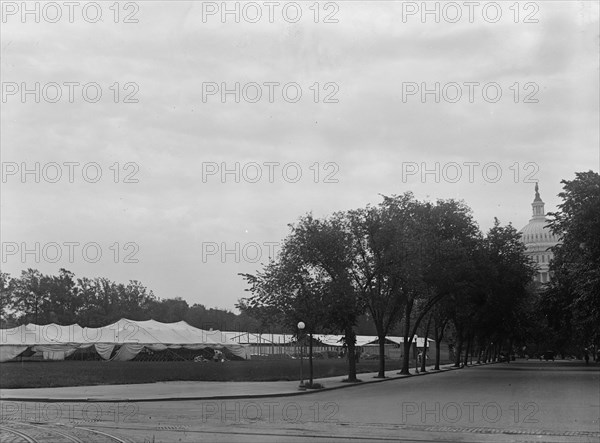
(301, 327)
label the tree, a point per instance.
(38, 298)
(499, 296)
(310, 281)
(380, 264)
(99, 301)
(440, 316)
(291, 292)
(451, 271)
(440, 237)
(29, 293)
(104, 301)
(135, 300)
(467, 303)
(262, 316)
(7, 319)
(572, 296)
(325, 246)
(168, 310)
(62, 303)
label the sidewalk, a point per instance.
(193, 390)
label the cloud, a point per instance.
(363, 141)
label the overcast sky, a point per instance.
(371, 131)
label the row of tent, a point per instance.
(125, 339)
(269, 339)
(128, 337)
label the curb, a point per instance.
(235, 397)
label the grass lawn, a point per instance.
(85, 373)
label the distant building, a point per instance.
(538, 239)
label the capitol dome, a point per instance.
(538, 239)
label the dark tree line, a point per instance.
(419, 265)
(34, 297)
(570, 304)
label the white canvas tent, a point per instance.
(260, 339)
(56, 342)
(367, 340)
(400, 340)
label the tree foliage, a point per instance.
(34, 297)
(571, 302)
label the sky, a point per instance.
(173, 142)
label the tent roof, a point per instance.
(364, 340)
(326, 339)
(263, 339)
(152, 332)
(120, 332)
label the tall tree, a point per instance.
(29, 294)
(500, 296)
(381, 263)
(62, 303)
(168, 310)
(7, 319)
(442, 235)
(310, 281)
(572, 296)
(325, 246)
(292, 293)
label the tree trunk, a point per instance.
(473, 347)
(467, 350)
(406, 353)
(407, 341)
(381, 373)
(424, 357)
(438, 331)
(406, 357)
(351, 345)
(310, 359)
(438, 347)
(458, 350)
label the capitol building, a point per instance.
(538, 239)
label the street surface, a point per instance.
(523, 401)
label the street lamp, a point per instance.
(301, 327)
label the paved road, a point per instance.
(522, 401)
